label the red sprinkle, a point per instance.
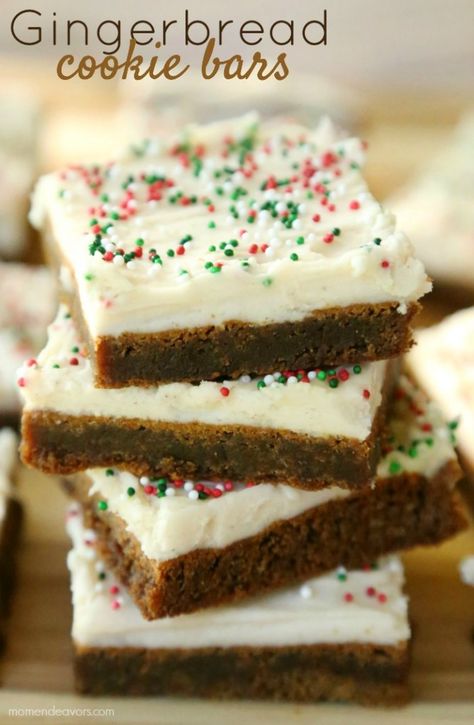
(31, 362)
(382, 598)
(317, 218)
(114, 589)
(385, 263)
(21, 382)
(354, 205)
(74, 361)
(115, 604)
(366, 393)
(253, 249)
(149, 488)
(343, 374)
(328, 238)
(370, 591)
(180, 250)
(224, 391)
(348, 597)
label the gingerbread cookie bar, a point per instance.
(180, 545)
(27, 296)
(309, 429)
(344, 636)
(436, 210)
(10, 522)
(233, 248)
(443, 363)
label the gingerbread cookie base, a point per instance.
(366, 674)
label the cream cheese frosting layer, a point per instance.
(173, 517)
(317, 612)
(62, 379)
(443, 362)
(237, 220)
(437, 210)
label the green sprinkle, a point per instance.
(413, 451)
(109, 472)
(215, 269)
(208, 265)
(101, 575)
(74, 349)
(453, 424)
(229, 252)
(102, 506)
(56, 366)
(170, 252)
(341, 576)
(212, 248)
(294, 257)
(333, 383)
(89, 277)
(300, 240)
(139, 242)
(261, 384)
(357, 369)
(321, 375)
(429, 442)
(336, 231)
(212, 225)
(131, 491)
(377, 241)
(394, 467)
(267, 281)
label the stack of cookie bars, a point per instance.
(221, 392)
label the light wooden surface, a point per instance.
(36, 669)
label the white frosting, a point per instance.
(173, 525)
(28, 301)
(466, 569)
(312, 408)
(263, 287)
(419, 438)
(443, 361)
(176, 521)
(105, 616)
(437, 210)
(8, 461)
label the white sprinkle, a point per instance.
(245, 378)
(311, 237)
(289, 242)
(276, 376)
(292, 380)
(144, 480)
(268, 379)
(269, 252)
(305, 591)
(118, 260)
(220, 486)
(193, 495)
(275, 242)
(296, 224)
(99, 587)
(280, 207)
(171, 491)
(312, 375)
(132, 264)
(188, 485)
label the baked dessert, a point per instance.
(179, 546)
(309, 428)
(229, 249)
(437, 212)
(344, 636)
(19, 116)
(28, 303)
(443, 363)
(10, 523)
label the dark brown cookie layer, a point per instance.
(363, 673)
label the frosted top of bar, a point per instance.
(238, 220)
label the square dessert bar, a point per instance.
(310, 429)
(443, 363)
(233, 248)
(344, 636)
(27, 306)
(180, 545)
(436, 209)
(10, 523)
